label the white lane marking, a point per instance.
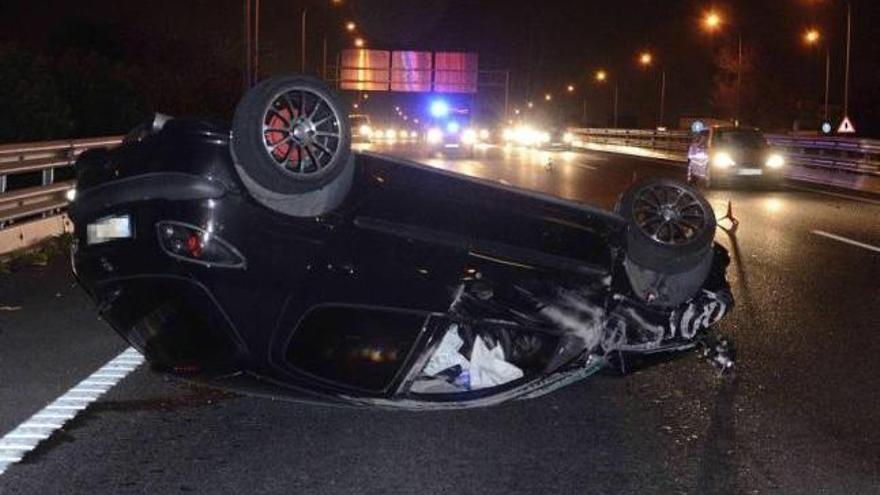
(26, 436)
(837, 195)
(847, 240)
(42, 426)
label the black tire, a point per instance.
(290, 136)
(669, 238)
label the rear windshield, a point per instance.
(741, 139)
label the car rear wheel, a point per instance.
(668, 240)
(291, 143)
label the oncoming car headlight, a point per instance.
(722, 159)
(469, 136)
(567, 137)
(365, 131)
(435, 135)
(544, 137)
(775, 161)
(484, 134)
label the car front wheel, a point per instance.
(669, 238)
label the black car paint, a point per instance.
(407, 238)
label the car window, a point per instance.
(355, 347)
(740, 139)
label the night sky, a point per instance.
(545, 44)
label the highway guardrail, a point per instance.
(854, 155)
(34, 180)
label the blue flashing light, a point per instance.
(452, 127)
(439, 108)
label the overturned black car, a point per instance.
(270, 257)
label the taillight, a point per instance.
(196, 245)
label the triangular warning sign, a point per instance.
(846, 127)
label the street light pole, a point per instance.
(662, 94)
(848, 45)
(256, 41)
(303, 40)
(827, 77)
(506, 94)
(247, 44)
(739, 65)
(615, 104)
(324, 59)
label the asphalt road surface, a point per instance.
(799, 415)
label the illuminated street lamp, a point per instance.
(516, 111)
(601, 75)
(646, 59)
(812, 36)
(350, 26)
(712, 21)
(548, 97)
(531, 105)
(570, 88)
(359, 42)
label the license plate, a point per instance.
(108, 229)
(750, 171)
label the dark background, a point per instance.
(95, 67)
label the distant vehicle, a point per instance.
(556, 138)
(724, 154)
(361, 128)
(560, 139)
(272, 257)
(450, 127)
(391, 133)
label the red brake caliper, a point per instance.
(272, 138)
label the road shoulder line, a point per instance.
(16, 444)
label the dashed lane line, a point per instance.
(847, 240)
